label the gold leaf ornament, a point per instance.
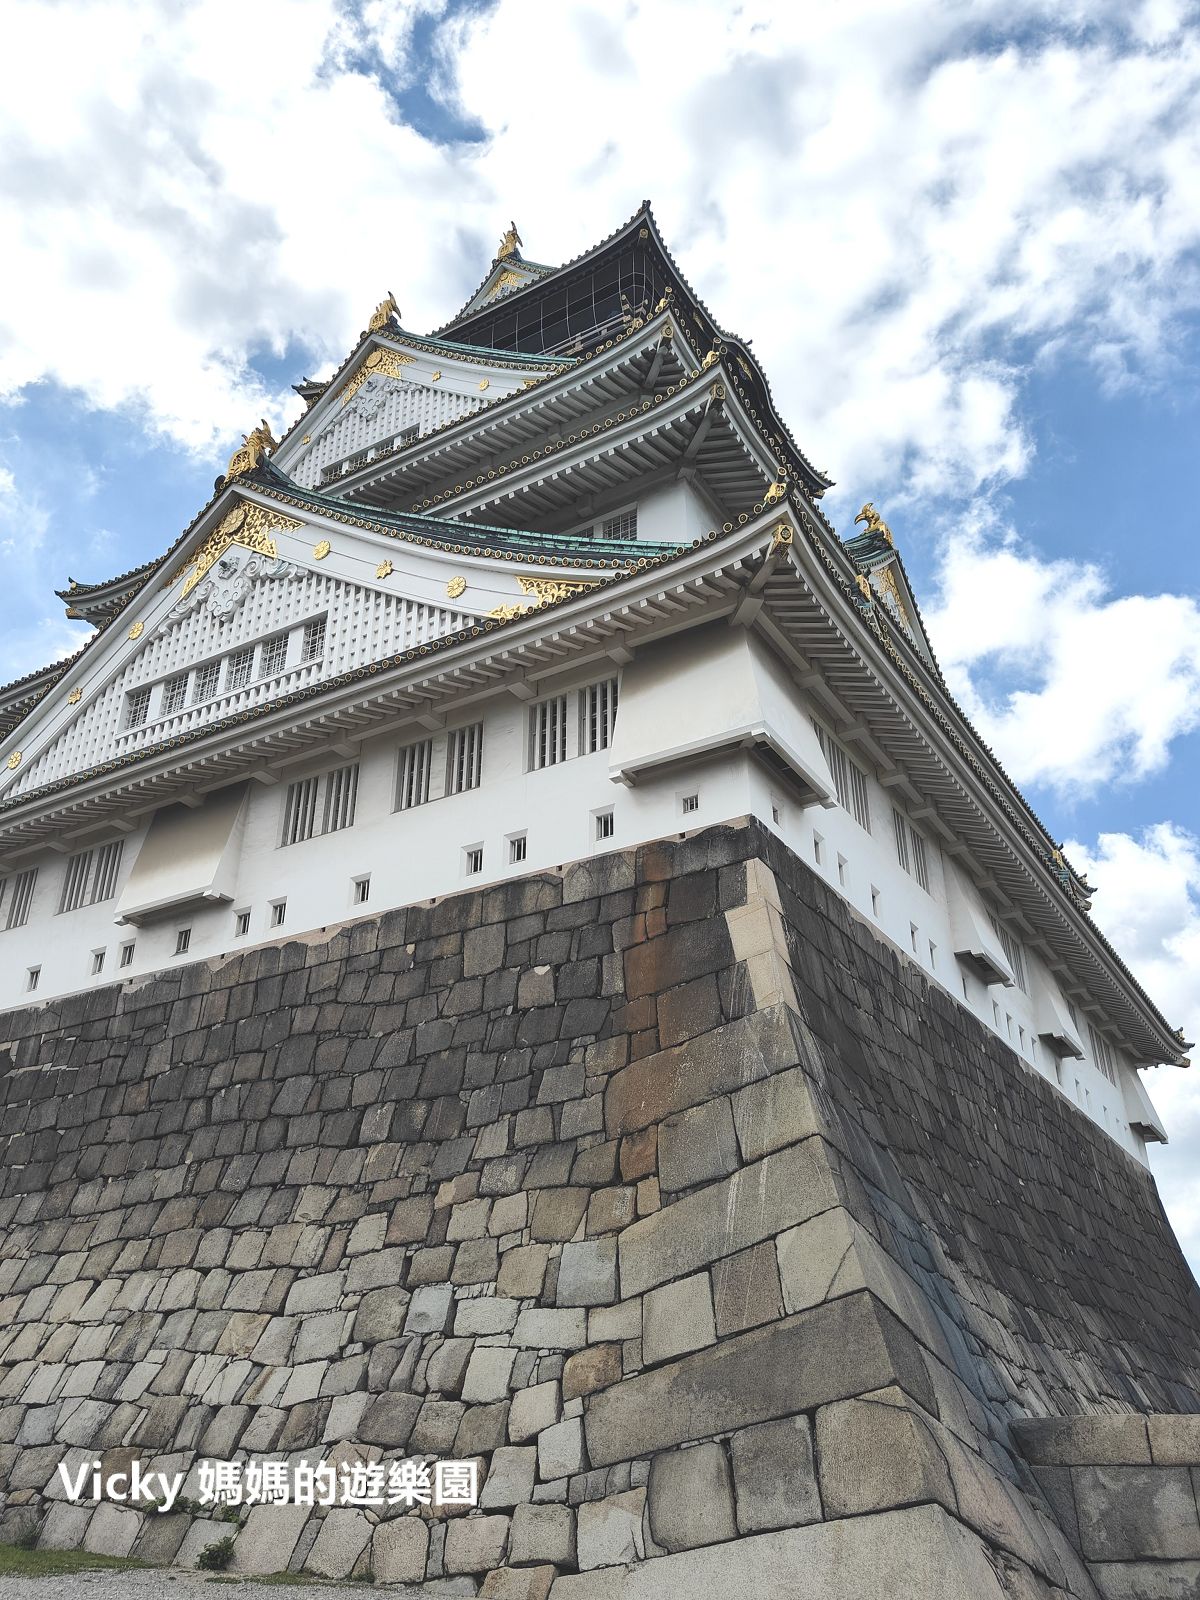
(456, 586)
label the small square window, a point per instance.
(875, 902)
(604, 825)
(241, 924)
(127, 954)
(278, 912)
(842, 864)
(97, 962)
(32, 979)
(776, 813)
(933, 955)
(518, 847)
(360, 890)
(818, 848)
(183, 940)
(689, 804)
(473, 859)
(913, 930)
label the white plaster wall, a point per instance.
(419, 854)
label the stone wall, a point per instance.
(1125, 1489)
(726, 1245)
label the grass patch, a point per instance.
(16, 1562)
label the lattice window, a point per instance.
(300, 811)
(21, 898)
(106, 871)
(137, 708)
(239, 668)
(274, 656)
(597, 716)
(1013, 952)
(548, 733)
(313, 643)
(341, 796)
(910, 849)
(623, 526)
(464, 758)
(74, 890)
(849, 779)
(412, 775)
(174, 695)
(1102, 1054)
(207, 679)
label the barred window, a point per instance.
(274, 656)
(21, 898)
(622, 526)
(239, 667)
(74, 891)
(137, 708)
(910, 849)
(341, 795)
(207, 679)
(548, 733)
(1013, 953)
(106, 871)
(174, 696)
(300, 811)
(1102, 1054)
(597, 716)
(464, 758)
(127, 954)
(328, 474)
(412, 775)
(849, 779)
(314, 639)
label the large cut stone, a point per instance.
(399, 1550)
(587, 1273)
(609, 1531)
(474, 1544)
(510, 1477)
(343, 1537)
(875, 1453)
(691, 1498)
(677, 1318)
(843, 1348)
(760, 1200)
(268, 1538)
(746, 1290)
(715, 1063)
(112, 1530)
(916, 1554)
(1126, 1513)
(543, 1533)
(697, 1146)
(774, 1477)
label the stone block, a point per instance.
(510, 1477)
(268, 1538)
(1146, 1580)
(719, 1062)
(65, 1526)
(343, 1536)
(876, 1454)
(513, 1583)
(203, 1533)
(774, 1475)
(159, 1542)
(399, 1550)
(775, 1193)
(483, 1429)
(677, 1318)
(746, 1290)
(827, 1353)
(523, 1271)
(487, 1315)
(591, 1369)
(609, 1531)
(429, 1309)
(488, 1374)
(388, 1420)
(543, 1533)
(1096, 1441)
(561, 1450)
(917, 1554)
(475, 1544)
(1174, 1440)
(436, 1428)
(532, 1410)
(1132, 1513)
(112, 1530)
(557, 1213)
(690, 1496)
(587, 1273)
(551, 1330)
(774, 1112)
(697, 1146)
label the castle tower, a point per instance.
(516, 957)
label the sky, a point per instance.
(963, 236)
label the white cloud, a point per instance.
(1075, 687)
(879, 194)
(1149, 906)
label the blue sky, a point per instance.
(965, 241)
